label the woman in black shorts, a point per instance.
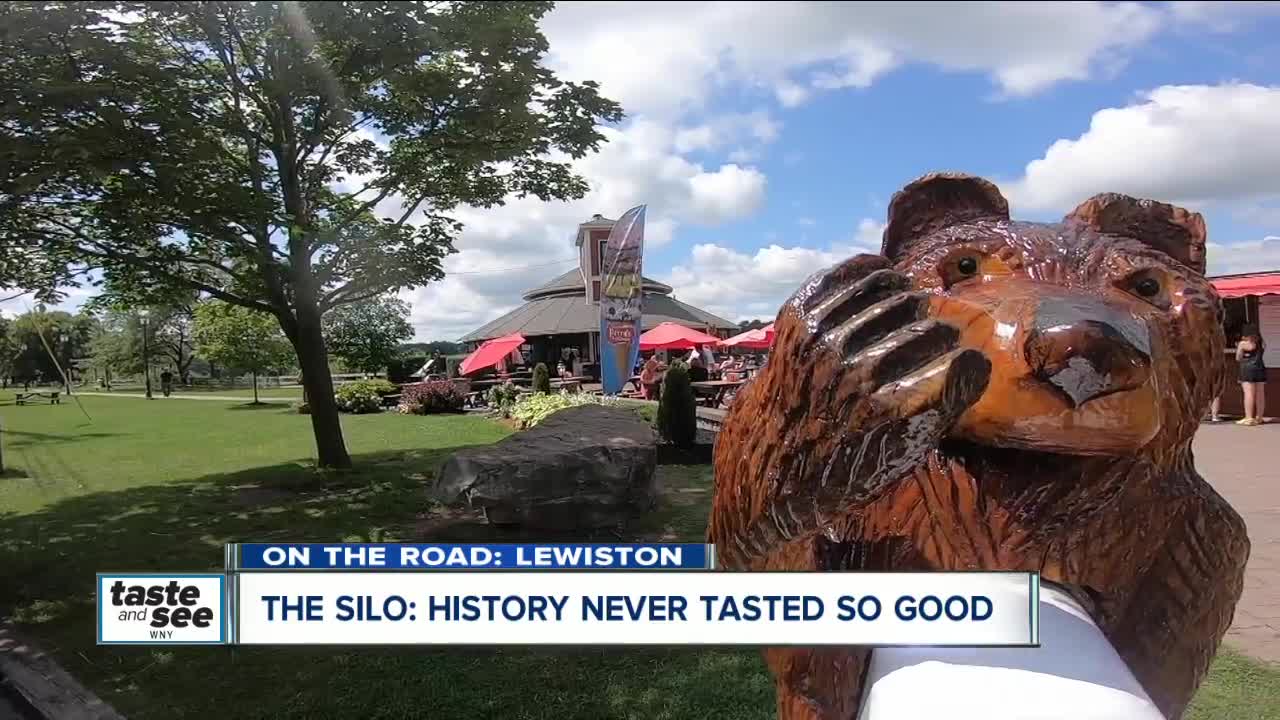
(1253, 375)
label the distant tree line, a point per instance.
(186, 333)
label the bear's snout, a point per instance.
(1087, 352)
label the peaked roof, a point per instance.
(553, 315)
(571, 283)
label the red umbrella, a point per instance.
(758, 339)
(673, 336)
(490, 353)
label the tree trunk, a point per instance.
(317, 383)
(255, 388)
(184, 369)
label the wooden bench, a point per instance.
(390, 400)
(23, 398)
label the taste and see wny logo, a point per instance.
(161, 609)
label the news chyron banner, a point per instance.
(621, 299)
(554, 594)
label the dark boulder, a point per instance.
(582, 468)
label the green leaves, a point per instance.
(240, 338)
(223, 146)
(367, 335)
(68, 337)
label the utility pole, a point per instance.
(146, 350)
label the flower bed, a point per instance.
(533, 409)
(435, 396)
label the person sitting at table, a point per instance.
(651, 378)
(697, 372)
(732, 371)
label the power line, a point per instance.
(513, 269)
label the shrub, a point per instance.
(677, 408)
(647, 413)
(533, 409)
(400, 369)
(362, 396)
(431, 397)
(381, 386)
(502, 397)
(541, 379)
(356, 398)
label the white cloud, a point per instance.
(750, 132)
(727, 129)
(740, 285)
(790, 94)
(668, 58)
(731, 192)
(14, 302)
(1219, 16)
(1187, 144)
(1244, 257)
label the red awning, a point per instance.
(1241, 285)
(673, 336)
(488, 354)
(758, 339)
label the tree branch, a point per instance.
(104, 253)
(333, 299)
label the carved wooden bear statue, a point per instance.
(1001, 395)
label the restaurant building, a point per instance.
(564, 314)
(1252, 299)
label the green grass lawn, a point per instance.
(161, 486)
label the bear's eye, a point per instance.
(1147, 287)
(969, 264)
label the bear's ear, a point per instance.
(1177, 232)
(935, 201)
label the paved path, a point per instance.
(1243, 464)
(223, 398)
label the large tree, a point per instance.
(241, 338)
(169, 328)
(46, 343)
(8, 350)
(117, 347)
(287, 157)
(366, 335)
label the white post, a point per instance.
(1075, 674)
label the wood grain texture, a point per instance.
(1033, 414)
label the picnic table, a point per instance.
(714, 391)
(22, 398)
(488, 383)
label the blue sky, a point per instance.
(767, 138)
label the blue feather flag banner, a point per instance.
(621, 299)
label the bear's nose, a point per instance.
(1086, 357)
